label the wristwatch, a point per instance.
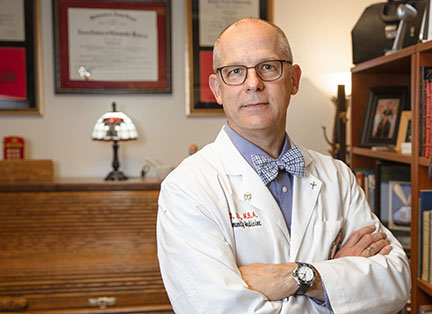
(304, 275)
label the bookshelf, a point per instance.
(402, 68)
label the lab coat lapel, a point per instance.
(247, 185)
(262, 199)
(305, 194)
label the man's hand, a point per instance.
(365, 243)
(271, 280)
(275, 281)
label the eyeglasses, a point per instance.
(267, 71)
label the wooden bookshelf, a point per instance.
(402, 68)
(384, 155)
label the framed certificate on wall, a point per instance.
(112, 46)
(20, 57)
(205, 20)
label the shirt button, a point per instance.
(284, 189)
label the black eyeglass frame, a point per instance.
(254, 67)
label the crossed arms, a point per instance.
(275, 280)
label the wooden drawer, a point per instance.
(60, 249)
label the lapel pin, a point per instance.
(313, 184)
(247, 196)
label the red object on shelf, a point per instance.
(13, 147)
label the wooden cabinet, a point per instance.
(402, 68)
(80, 247)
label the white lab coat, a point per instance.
(215, 214)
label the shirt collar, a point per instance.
(247, 148)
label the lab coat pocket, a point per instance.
(329, 233)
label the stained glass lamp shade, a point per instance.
(114, 126)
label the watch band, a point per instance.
(302, 290)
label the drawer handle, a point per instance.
(102, 302)
(12, 303)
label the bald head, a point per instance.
(284, 46)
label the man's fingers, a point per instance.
(379, 245)
(370, 240)
(356, 236)
(382, 247)
(386, 250)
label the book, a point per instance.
(366, 179)
(425, 255)
(425, 111)
(361, 174)
(425, 204)
(427, 125)
(370, 187)
(424, 309)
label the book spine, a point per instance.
(425, 250)
(424, 309)
(427, 144)
(428, 249)
(425, 204)
(422, 110)
(427, 130)
(360, 179)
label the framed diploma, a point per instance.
(20, 57)
(112, 46)
(206, 19)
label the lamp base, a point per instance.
(115, 175)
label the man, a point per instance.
(236, 236)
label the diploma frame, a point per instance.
(22, 68)
(163, 81)
(197, 70)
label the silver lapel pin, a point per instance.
(247, 196)
(313, 184)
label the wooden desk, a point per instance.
(70, 246)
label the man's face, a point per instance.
(255, 105)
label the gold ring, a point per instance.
(371, 251)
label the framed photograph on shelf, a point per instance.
(112, 46)
(404, 133)
(205, 20)
(20, 57)
(382, 115)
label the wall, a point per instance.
(319, 32)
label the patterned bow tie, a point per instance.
(292, 161)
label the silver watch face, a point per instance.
(305, 274)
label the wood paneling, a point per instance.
(61, 246)
(25, 170)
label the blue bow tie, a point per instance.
(292, 161)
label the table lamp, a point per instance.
(114, 126)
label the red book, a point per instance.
(428, 119)
(13, 147)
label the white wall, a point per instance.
(320, 35)
(319, 32)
